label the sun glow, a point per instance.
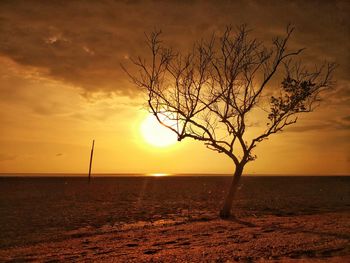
(159, 174)
(155, 134)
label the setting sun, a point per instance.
(155, 134)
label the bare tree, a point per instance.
(211, 92)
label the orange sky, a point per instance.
(61, 86)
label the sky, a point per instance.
(61, 85)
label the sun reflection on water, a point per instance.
(158, 174)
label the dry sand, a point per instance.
(302, 238)
(174, 220)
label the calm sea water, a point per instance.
(43, 208)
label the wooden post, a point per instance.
(91, 155)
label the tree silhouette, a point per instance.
(212, 92)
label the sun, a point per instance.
(155, 134)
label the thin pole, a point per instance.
(91, 155)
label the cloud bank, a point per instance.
(84, 42)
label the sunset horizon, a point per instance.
(174, 131)
(65, 87)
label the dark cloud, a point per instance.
(84, 42)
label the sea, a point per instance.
(37, 208)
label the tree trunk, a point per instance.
(226, 210)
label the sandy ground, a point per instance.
(174, 219)
(322, 237)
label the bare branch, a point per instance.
(210, 91)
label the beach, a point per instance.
(174, 219)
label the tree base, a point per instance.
(225, 214)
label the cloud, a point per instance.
(340, 95)
(24, 93)
(304, 128)
(84, 42)
(7, 157)
(347, 118)
(338, 124)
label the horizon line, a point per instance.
(33, 174)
